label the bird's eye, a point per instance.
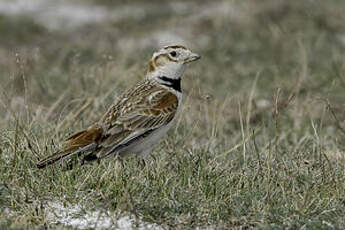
(173, 53)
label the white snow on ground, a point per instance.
(65, 15)
(54, 14)
(80, 218)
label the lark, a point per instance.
(139, 118)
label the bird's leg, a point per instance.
(142, 163)
(120, 160)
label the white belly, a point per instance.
(145, 146)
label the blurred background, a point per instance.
(260, 141)
(266, 56)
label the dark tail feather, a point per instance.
(52, 159)
(78, 143)
(90, 157)
(63, 154)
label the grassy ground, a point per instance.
(260, 141)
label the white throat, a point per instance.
(170, 70)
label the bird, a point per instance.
(139, 118)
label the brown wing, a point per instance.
(134, 115)
(156, 109)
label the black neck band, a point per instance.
(172, 83)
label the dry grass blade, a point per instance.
(264, 152)
(73, 115)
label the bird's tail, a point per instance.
(78, 143)
(59, 155)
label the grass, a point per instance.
(259, 144)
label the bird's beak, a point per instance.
(193, 57)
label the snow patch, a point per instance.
(54, 14)
(81, 218)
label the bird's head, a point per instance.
(171, 61)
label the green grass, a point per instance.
(259, 143)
